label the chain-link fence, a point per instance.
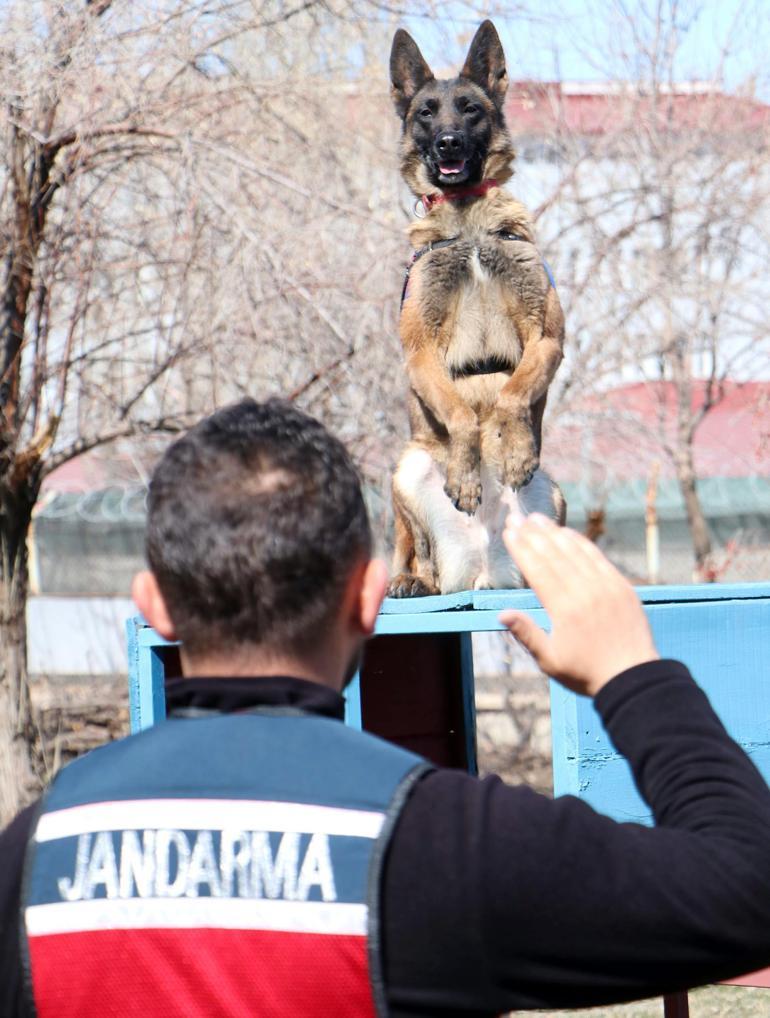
(741, 550)
(93, 542)
(737, 512)
(88, 543)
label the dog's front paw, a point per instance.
(512, 444)
(519, 466)
(463, 487)
(465, 495)
(408, 585)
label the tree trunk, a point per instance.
(699, 530)
(18, 780)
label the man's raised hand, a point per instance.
(598, 625)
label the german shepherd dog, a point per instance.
(482, 331)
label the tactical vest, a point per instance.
(220, 866)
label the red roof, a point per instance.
(98, 469)
(617, 435)
(548, 107)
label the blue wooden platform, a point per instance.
(721, 631)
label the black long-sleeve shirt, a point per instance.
(496, 898)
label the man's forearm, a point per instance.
(529, 902)
(682, 903)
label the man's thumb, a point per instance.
(529, 634)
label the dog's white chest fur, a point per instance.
(468, 551)
(480, 275)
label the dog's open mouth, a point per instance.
(452, 169)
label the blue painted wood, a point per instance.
(498, 600)
(704, 592)
(352, 696)
(133, 628)
(438, 622)
(147, 637)
(726, 646)
(565, 740)
(153, 697)
(719, 630)
(146, 696)
(418, 605)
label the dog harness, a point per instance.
(436, 244)
(416, 256)
(224, 865)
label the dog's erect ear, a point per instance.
(485, 63)
(408, 71)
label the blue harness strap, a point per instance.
(548, 273)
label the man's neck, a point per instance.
(251, 663)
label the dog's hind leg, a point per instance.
(541, 495)
(413, 570)
(455, 543)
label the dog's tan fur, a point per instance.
(484, 296)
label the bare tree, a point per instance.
(195, 203)
(657, 223)
(98, 252)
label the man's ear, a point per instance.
(372, 583)
(150, 602)
(408, 71)
(485, 63)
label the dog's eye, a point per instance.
(470, 109)
(426, 113)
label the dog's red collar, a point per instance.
(456, 193)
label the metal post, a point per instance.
(676, 1005)
(651, 522)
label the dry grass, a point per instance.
(708, 1002)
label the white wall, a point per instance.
(77, 635)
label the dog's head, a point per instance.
(454, 130)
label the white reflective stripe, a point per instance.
(208, 814)
(197, 913)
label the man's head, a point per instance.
(256, 531)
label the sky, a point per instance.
(591, 40)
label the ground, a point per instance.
(709, 1002)
(75, 715)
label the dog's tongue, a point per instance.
(447, 169)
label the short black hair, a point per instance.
(255, 522)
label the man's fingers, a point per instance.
(599, 626)
(530, 636)
(557, 551)
(584, 552)
(531, 546)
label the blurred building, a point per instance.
(606, 453)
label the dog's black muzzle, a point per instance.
(450, 158)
